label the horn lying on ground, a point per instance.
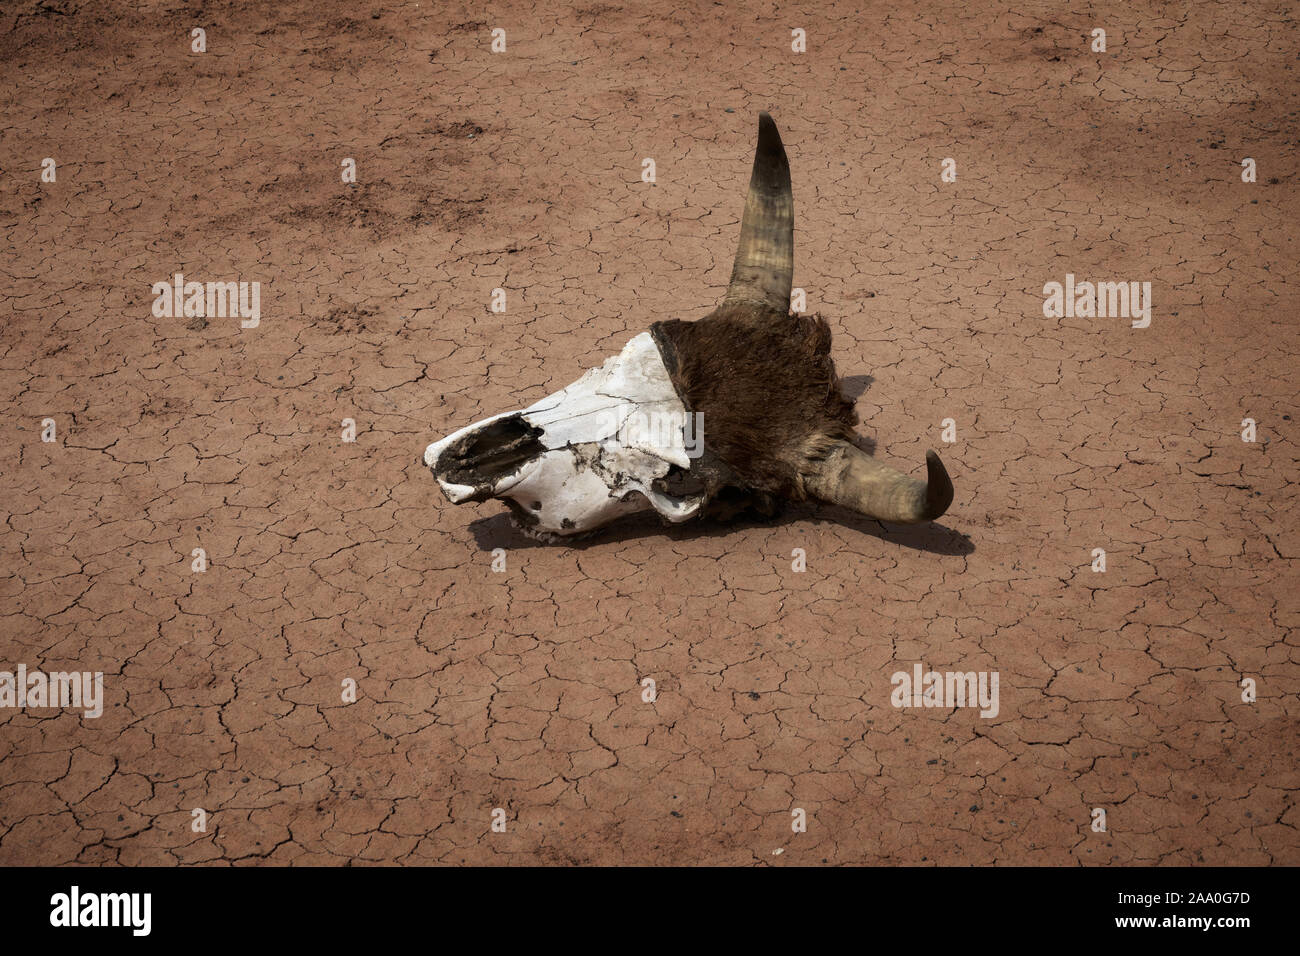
(848, 476)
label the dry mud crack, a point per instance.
(521, 689)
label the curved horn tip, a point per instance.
(769, 139)
(938, 487)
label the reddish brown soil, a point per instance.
(521, 690)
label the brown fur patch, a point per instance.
(767, 388)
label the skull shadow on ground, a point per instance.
(498, 531)
(855, 386)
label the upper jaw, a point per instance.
(458, 492)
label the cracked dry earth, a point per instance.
(521, 689)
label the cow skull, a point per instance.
(758, 380)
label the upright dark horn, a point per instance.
(764, 267)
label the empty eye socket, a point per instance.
(488, 454)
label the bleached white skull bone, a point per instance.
(583, 456)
